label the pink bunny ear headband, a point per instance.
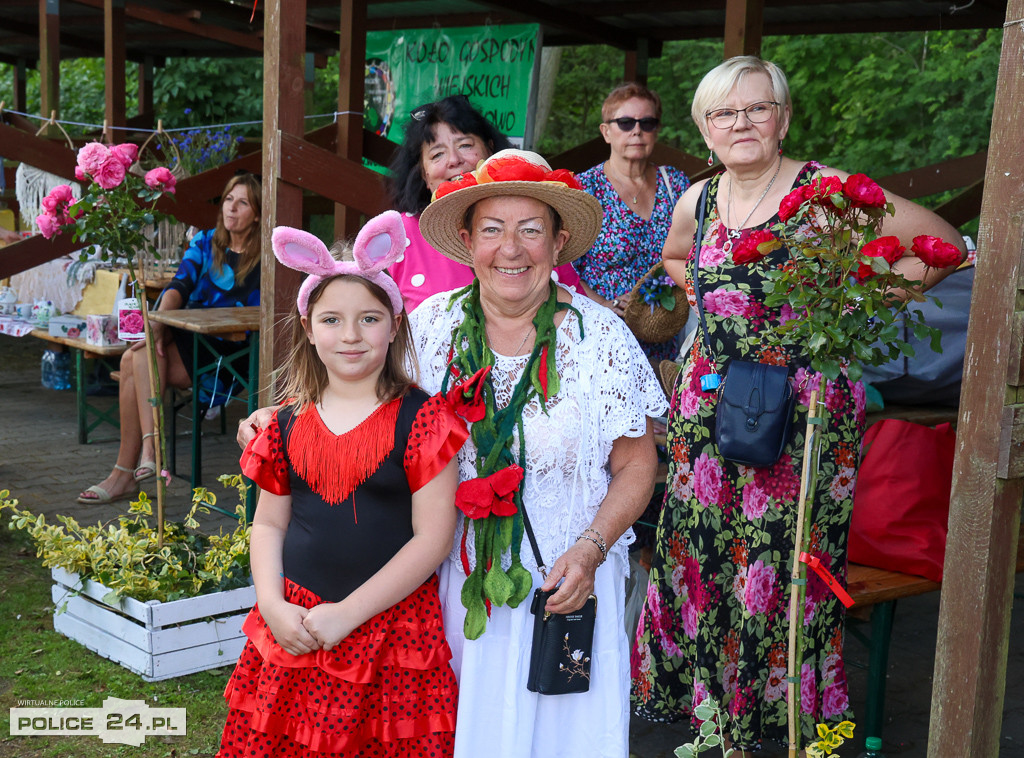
(379, 244)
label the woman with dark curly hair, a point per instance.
(442, 140)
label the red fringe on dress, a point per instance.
(385, 690)
(316, 451)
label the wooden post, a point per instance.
(283, 82)
(988, 474)
(20, 86)
(743, 22)
(145, 87)
(351, 76)
(114, 65)
(636, 64)
(49, 57)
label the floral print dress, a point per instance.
(628, 244)
(716, 617)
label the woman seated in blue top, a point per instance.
(221, 268)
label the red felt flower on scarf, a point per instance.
(467, 397)
(453, 185)
(935, 252)
(755, 246)
(888, 248)
(863, 192)
(480, 497)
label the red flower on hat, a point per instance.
(480, 497)
(511, 168)
(564, 176)
(935, 252)
(467, 397)
(453, 185)
(888, 248)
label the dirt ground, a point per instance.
(43, 465)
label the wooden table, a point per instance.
(240, 361)
(82, 351)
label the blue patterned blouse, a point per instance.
(202, 286)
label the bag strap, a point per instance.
(668, 185)
(702, 208)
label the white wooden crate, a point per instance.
(155, 640)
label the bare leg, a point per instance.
(121, 480)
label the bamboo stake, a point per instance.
(798, 576)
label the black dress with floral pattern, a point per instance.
(716, 617)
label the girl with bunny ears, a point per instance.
(346, 652)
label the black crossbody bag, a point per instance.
(755, 400)
(563, 644)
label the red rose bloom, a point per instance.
(888, 248)
(755, 246)
(480, 497)
(935, 252)
(863, 192)
(791, 204)
(822, 187)
(467, 397)
(455, 184)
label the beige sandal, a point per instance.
(102, 496)
(145, 469)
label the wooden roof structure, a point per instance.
(988, 484)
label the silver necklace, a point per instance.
(734, 234)
(521, 344)
(636, 197)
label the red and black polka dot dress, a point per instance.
(387, 689)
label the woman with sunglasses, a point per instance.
(637, 197)
(442, 140)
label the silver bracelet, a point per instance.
(602, 548)
(600, 538)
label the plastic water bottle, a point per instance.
(47, 368)
(62, 371)
(872, 748)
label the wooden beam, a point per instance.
(743, 21)
(940, 177)
(284, 34)
(344, 181)
(34, 251)
(583, 25)
(49, 57)
(115, 90)
(977, 592)
(49, 155)
(351, 76)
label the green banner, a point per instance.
(491, 65)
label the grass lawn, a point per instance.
(36, 663)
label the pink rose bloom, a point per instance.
(689, 402)
(700, 692)
(691, 615)
(49, 226)
(759, 594)
(92, 156)
(808, 689)
(710, 257)
(162, 179)
(131, 322)
(834, 701)
(726, 302)
(59, 197)
(109, 174)
(80, 175)
(126, 152)
(707, 476)
(755, 501)
(682, 482)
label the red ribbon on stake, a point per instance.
(826, 576)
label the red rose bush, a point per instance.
(841, 275)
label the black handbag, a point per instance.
(755, 400)
(563, 644)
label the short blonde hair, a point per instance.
(720, 81)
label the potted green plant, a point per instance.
(162, 606)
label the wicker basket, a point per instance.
(657, 324)
(668, 372)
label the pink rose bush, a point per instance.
(161, 179)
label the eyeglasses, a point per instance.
(626, 124)
(424, 111)
(758, 113)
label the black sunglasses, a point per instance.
(626, 124)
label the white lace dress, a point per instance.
(607, 391)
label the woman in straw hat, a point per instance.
(560, 396)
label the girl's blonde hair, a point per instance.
(249, 255)
(306, 376)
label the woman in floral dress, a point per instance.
(716, 618)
